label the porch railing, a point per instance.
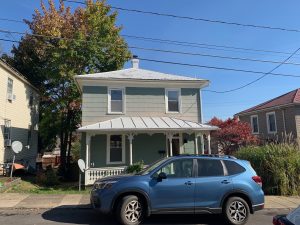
(92, 174)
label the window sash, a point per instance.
(116, 101)
(9, 87)
(254, 124)
(7, 129)
(272, 127)
(173, 100)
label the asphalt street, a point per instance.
(89, 217)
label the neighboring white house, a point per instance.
(19, 117)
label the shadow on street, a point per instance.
(66, 215)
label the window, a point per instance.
(116, 100)
(210, 168)
(7, 129)
(10, 89)
(115, 149)
(29, 134)
(254, 124)
(178, 169)
(173, 100)
(233, 167)
(271, 122)
(31, 100)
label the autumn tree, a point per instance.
(61, 44)
(232, 134)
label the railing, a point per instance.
(92, 174)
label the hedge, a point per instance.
(277, 164)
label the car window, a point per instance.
(210, 168)
(178, 168)
(233, 167)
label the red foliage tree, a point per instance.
(232, 134)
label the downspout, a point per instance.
(201, 111)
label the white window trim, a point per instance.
(251, 120)
(268, 122)
(108, 150)
(109, 100)
(179, 99)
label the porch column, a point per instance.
(87, 150)
(170, 137)
(196, 144)
(202, 143)
(208, 144)
(130, 138)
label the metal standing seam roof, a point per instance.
(135, 73)
(146, 124)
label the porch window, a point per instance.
(254, 124)
(116, 149)
(271, 122)
(10, 89)
(172, 100)
(116, 100)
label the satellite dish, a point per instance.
(81, 165)
(17, 146)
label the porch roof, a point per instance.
(146, 124)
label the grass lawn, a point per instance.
(29, 186)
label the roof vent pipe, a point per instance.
(135, 62)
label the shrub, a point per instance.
(277, 164)
(135, 168)
(47, 178)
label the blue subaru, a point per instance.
(185, 184)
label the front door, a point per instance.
(175, 145)
(176, 192)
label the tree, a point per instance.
(62, 44)
(232, 134)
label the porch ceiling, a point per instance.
(162, 124)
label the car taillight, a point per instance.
(257, 180)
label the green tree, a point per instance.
(63, 43)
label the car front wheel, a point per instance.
(130, 210)
(236, 211)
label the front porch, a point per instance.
(110, 146)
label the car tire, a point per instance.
(236, 211)
(130, 210)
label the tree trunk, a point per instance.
(69, 150)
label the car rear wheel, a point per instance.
(130, 210)
(236, 211)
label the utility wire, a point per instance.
(256, 80)
(196, 19)
(187, 44)
(167, 51)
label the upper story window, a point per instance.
(10, 89)
(254, 124)
(173, 98)
(116, 100)
(271, 122)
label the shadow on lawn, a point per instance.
(73, 215)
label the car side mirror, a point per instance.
(161, 176)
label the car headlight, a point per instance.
(103, 184)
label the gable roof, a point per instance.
(292, 97)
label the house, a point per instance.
(276, 119)
(18, 116)
(133, 114)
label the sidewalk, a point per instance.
(41, 201)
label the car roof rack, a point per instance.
(210, 155)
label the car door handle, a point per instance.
(188, 183)
(225, 182)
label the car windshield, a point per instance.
(152, 167)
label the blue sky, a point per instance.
(267, 12)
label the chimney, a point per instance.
(135, 62)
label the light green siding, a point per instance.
(98, 151)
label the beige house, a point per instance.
(277, 119)
(18, 116)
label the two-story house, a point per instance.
(277, 119)
(18, 116)
(133, 114)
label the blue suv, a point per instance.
(187, 184)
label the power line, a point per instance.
(166, 51)
(197, 19)
(258, 79)
(188, 44)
